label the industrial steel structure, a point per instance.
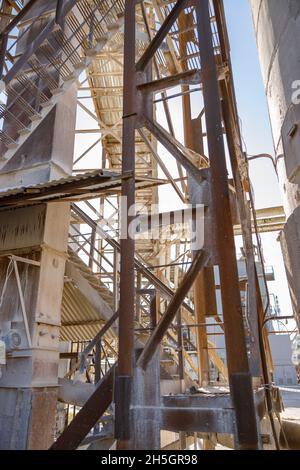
(108, 309)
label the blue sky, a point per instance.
(252, 104)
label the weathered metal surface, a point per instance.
(127, 244)
(245, 217)
(72, 186)
(290, 242)
(88, 416)
(191, 77)
(146, 392)
(237, 360)
(277, 29)
(22, 227)
(198, 264)
(32, 410)
(165, 139)
(122, 399)
(129, 263)
(198, 420)
(200, 400)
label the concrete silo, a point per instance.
(277, 29)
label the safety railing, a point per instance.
(33, 76)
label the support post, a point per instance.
(200, 287)
(127, 277)
(238, 367)
(146, 405)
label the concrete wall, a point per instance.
(284, 370)
(277, 29)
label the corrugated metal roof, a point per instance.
(79, 320)
(73, 189)
(61, 181)
(72, 186)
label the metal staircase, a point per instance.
(58, 53)
(169, 360)
(83, 254)
(150, 282)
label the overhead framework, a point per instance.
(138, 317)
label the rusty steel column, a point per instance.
(234, 142)
(127, 275)
(237, 360)
(200, 286)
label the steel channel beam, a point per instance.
(166, 140)
(255, 357)
(60, 12)
(190, 77)
(238, 368)
(193, 137)
(127, 245)
(230, 117)
(3, 47)
(210, 420)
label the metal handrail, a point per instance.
(96, 340)
(37, 41)
(17, 18)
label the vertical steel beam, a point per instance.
(116, 280)
(59, 14)
(92, 249)
(98, 354)
(3, 47)
(230, 116)
(238, 367)
(127, 275)
(202, 341)
(255, 358)
(189, 139)
(180, 346)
